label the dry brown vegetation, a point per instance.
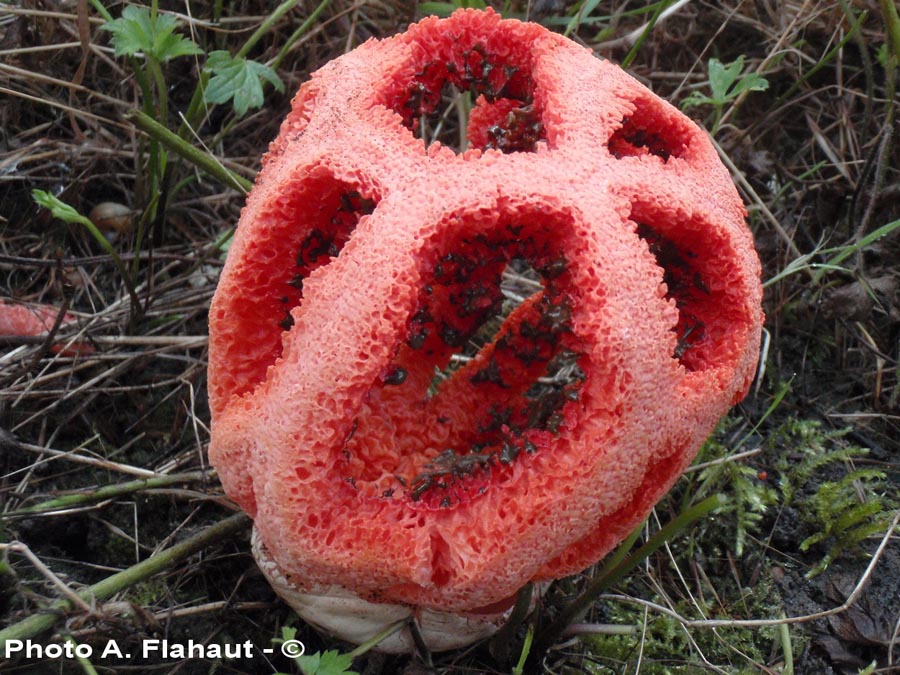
(103, 447)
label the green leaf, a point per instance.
(132, 32)
(881, 55)
(722, 77)
(330, 663)
(696, 98)
(869, 669)
(58, 208)
(724, 84)
(167, 44)
(238, 80)
(750, 82)
(136, 31)
(447, 8)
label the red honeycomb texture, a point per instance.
(366, 260)
(37, 320)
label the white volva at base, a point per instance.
(343, 614)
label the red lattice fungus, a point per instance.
(435, 376)
(37, 321)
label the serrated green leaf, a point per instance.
(238, 80)
(131, 32)
(309, 663)
(696, 98)
(168, 45)
(136, 31)
(722, 77)
(750, 82)
(330, 663)
(725, 85)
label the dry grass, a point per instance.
(815, 157)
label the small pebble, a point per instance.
(112, 217)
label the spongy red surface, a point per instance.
(31, 320)
(27, 320)
(364, 260)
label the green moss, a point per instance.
(148, 593)
(665, 647)
(840, 503)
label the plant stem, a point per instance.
(264, 27)
(621, 551)
(117, 261)
(648, 29)
(600, 629)
(110, 492)
(82, 661)
(844, 252)
(377, 639)
(784, 635)
(852, 32)
(717, 119)
(103, 590)
(223, 239)
(141, 78)
(199, 158)
(101, 10)
(192, 116)
(880, 159)
(892, 23)
(297, 33)
(610, 577)
(526, 650)
(217, 9)
(501, 642)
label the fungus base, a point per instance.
(343, 614)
